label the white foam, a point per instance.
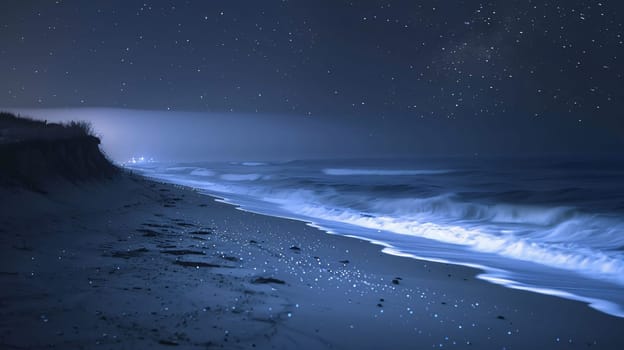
(605, 306)
(202, 172)
(592, 263)
(180, 168)
(240, 177)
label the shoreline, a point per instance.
(204, 274)
(485, 273)
(481, 272)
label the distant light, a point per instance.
(140, 160)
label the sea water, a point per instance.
(552, 226)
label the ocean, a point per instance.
(550, 225)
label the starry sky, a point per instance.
(409, 77)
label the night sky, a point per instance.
(409, 77)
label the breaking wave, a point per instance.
(524, 230)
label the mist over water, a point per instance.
(552, 226)
(220, 136)
(187, 136)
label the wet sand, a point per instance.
(133, 264)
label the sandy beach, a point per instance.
(311, 175)
(129, 263)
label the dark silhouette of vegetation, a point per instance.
(15, 128)
(34, 153)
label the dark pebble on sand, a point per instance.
(265, 280)
(167, 342)
(201, 232)
(395, 281)
(295, 248)
(149, 224)
(196, 264)
(148, 233)
(183, 252)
